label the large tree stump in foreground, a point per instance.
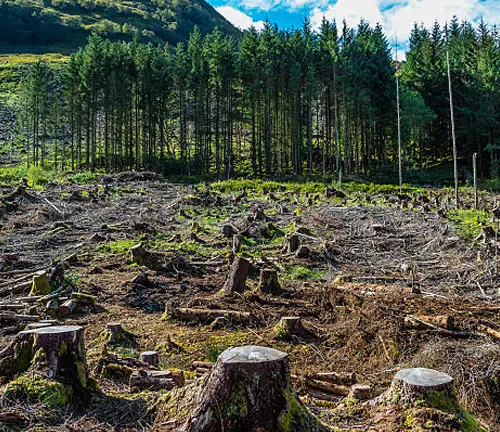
(237, 276)
(416, 384)
(249, 390)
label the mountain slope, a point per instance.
(67, 23)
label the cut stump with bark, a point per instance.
(150, 358)
(288, 327)
(54, 353)
(118, 336)
(237, 276)
(249, 390)
(416, 384)
(268, 281)
(292, 243)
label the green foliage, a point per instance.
(37, 176)
(469, 222)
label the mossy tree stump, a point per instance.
(288, 327)
(237, 276)
(54, 353)
(118, 336)
(40, 285)
(416, 384)
(150, 358)
(268, 281)
(249, 389)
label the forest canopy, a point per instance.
(276, 102)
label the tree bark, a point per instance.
(249, 390)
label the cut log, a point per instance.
(156, 380)
(361, 392)
(41, 324)
(4, 316)
(84, 299)
(249, 389)
(418, 323)
(40, 284)
(207, 316)
(488, 330)
(412, 385)
(150, 358)
(237, 276)
(347, 379)
(335, 389)
(202, 365)
(12, 307)
(68, 307)
(52, 308)
(288, 327)
(268, 281)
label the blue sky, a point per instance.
(396, 16)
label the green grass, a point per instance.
(301, 273)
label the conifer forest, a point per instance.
(276, 102)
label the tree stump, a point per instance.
(249, 390)
(303, 252)
(412, 385)
(41, 285)
(237, 276)
(58, 352)
(118, 336)
(292, 243)
(288, 327)
(268, 281)
(229, 230)
(150, 357)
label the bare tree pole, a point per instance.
(400, 164)
(474, 170)
(455, 157)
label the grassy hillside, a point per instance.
(63, 25)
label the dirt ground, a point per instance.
(371, 262)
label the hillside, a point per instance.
(41, 25)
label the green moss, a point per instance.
(119, 247)
(39, 390)
(441, 400)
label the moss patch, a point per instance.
(39, 390)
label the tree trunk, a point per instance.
(249, 390)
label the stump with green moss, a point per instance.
(40, 284)
(249, 389)
(418, 388)
(54, 355)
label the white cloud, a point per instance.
(398, 16)
(350, 10)
(238, 18)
